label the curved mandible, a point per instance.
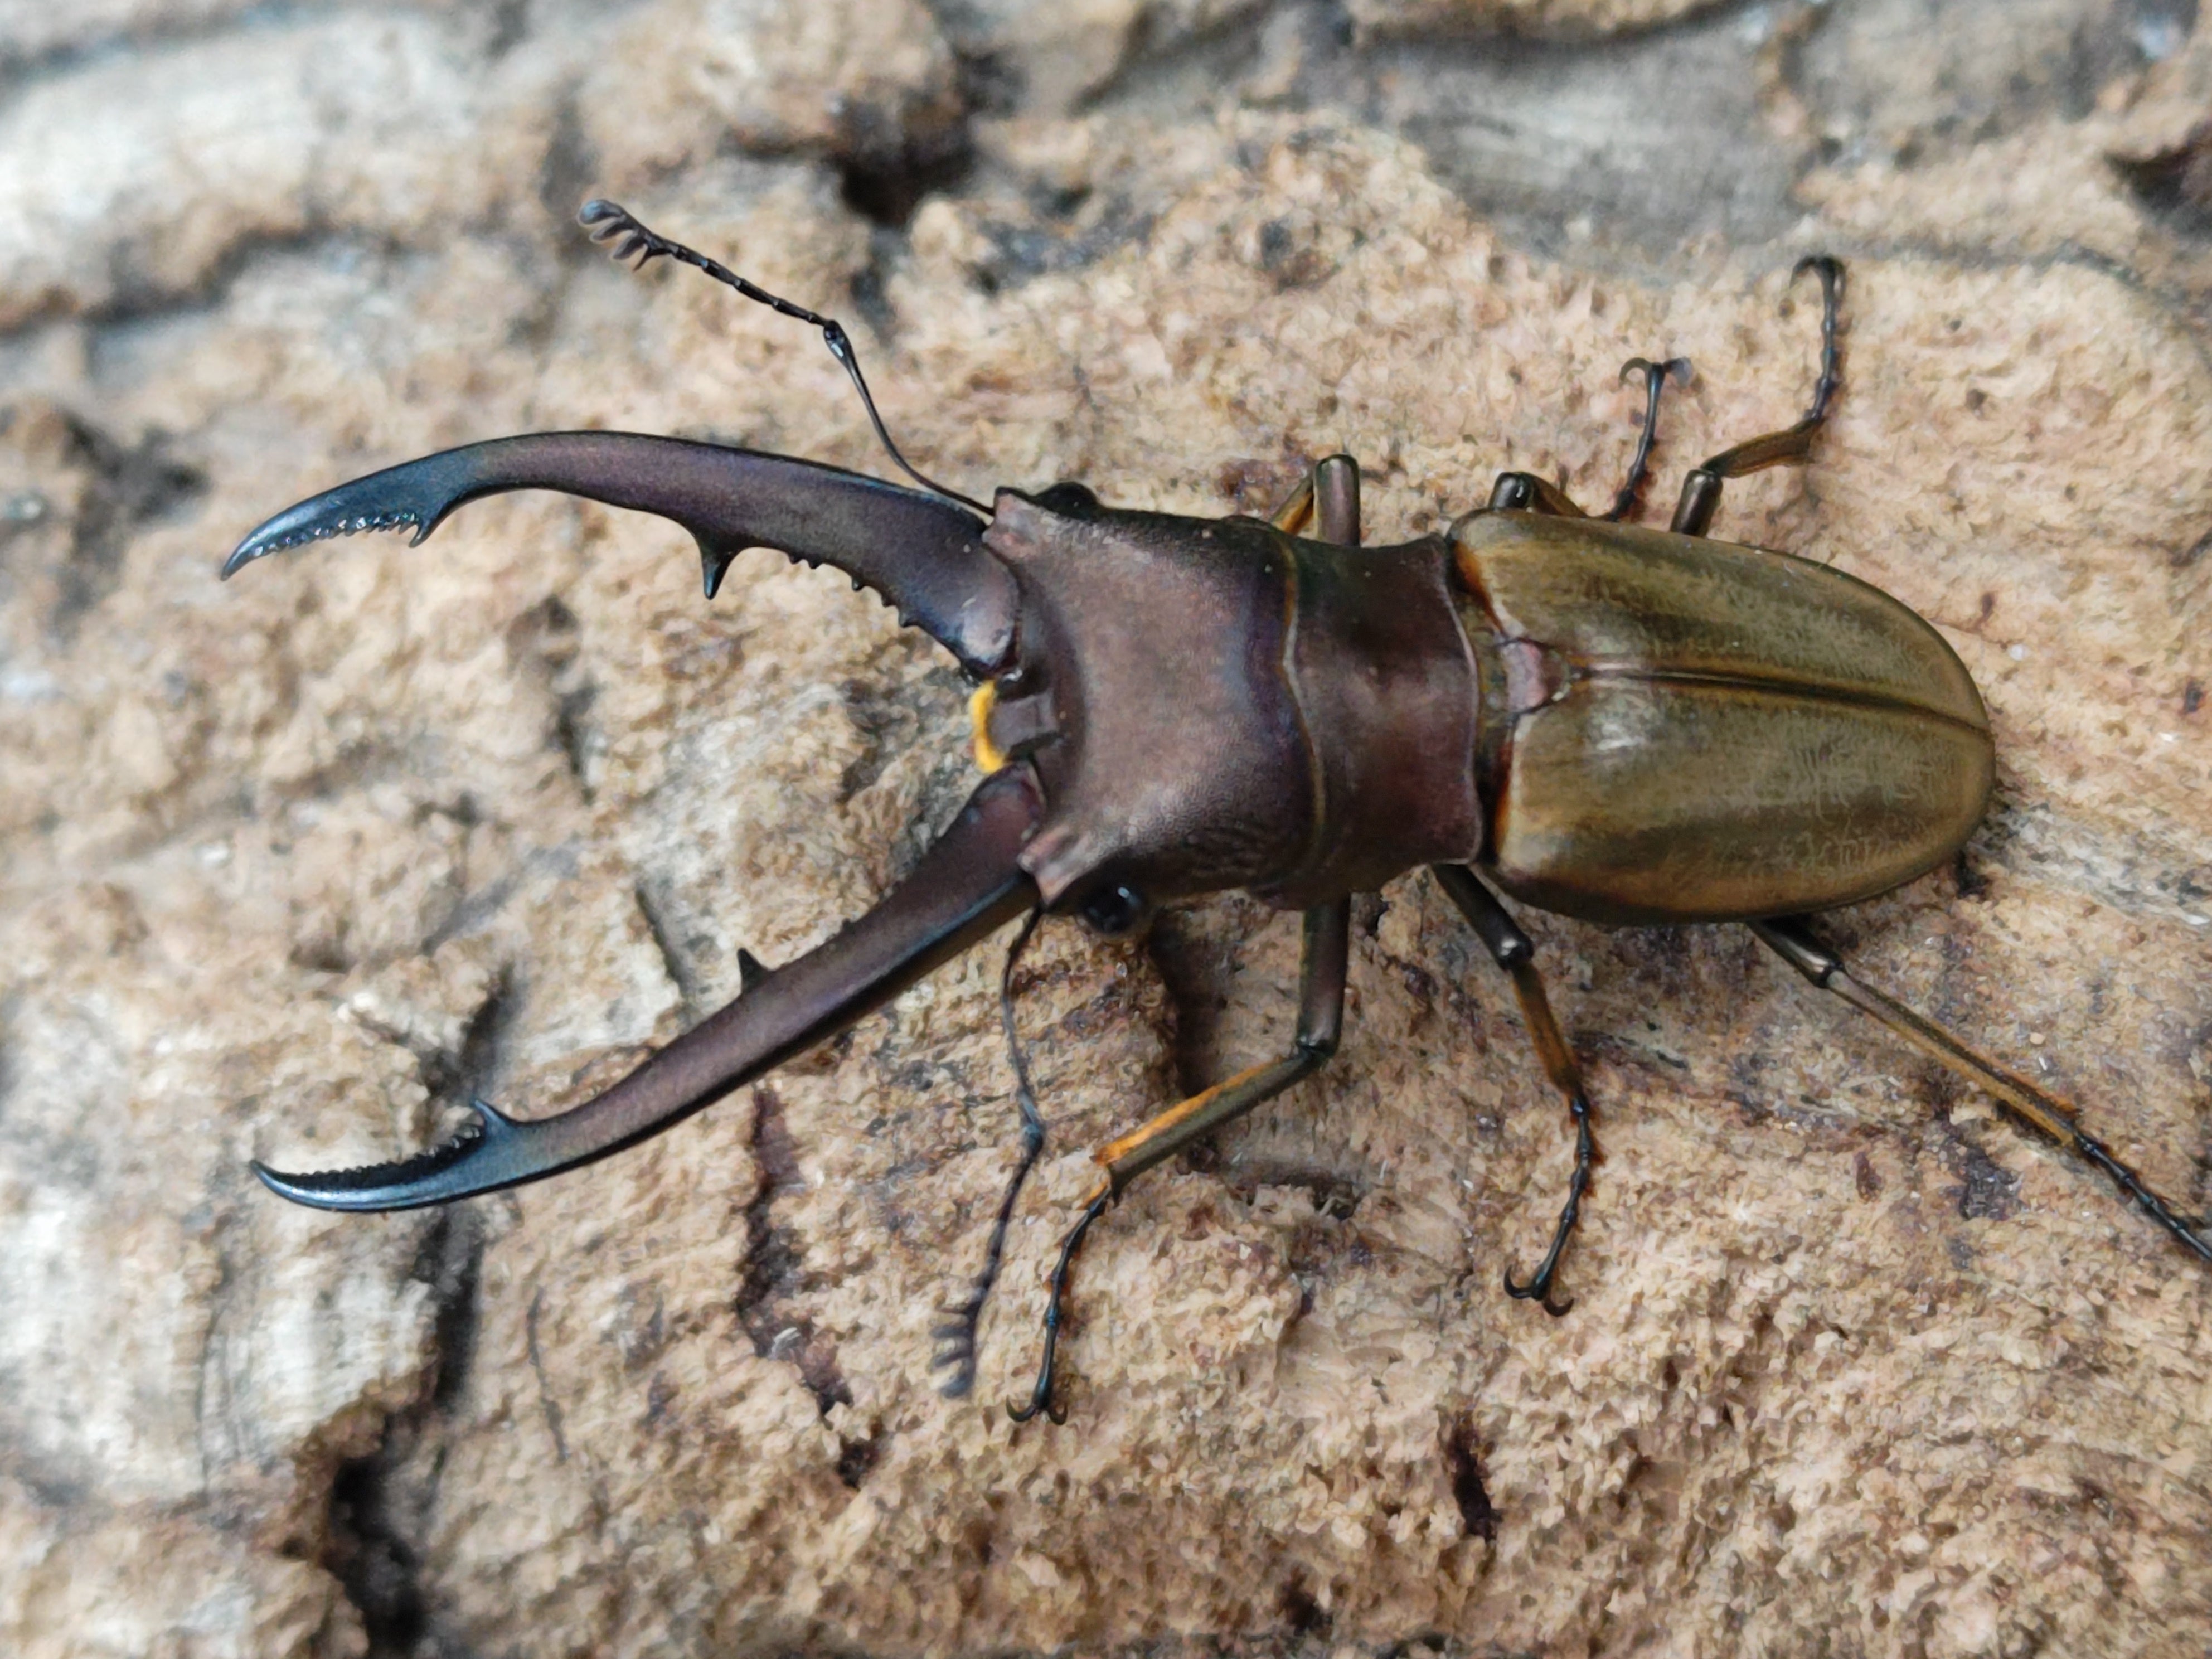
(966, 885)
(925, 556)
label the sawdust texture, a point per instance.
(291, 868)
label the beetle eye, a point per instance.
(1069, 499)
(1113, 909)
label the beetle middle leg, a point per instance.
(1789, 938)
(1510, 948)
(1701, 491)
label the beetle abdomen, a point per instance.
(1693, 731)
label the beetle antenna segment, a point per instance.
(1789, 938)
(957, 1337)
(1041, 1395)
(611, 223)
(1655, 376)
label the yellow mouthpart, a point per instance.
(988, 754)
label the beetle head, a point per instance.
(1143, 686)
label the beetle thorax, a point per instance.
(1226, 706)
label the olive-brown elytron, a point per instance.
(1620, 724)
(1692, 730)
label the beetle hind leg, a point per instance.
(1789, 939)
(1510, 948)
(1701, 491)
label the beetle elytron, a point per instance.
(1618, 724)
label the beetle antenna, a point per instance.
(957, 1337)
(612, 224)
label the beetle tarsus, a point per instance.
(2189, 1233)
(1655, 376)
(1539, 1286)
(1041, 1398)
(1830, 270)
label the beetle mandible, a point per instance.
(1618, 724)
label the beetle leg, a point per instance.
(1701, 491)
(1041, 1398)
(969, 883)
(1331, 489)
(1321, 972)
(1525, 492)
(1528, 492)
(925, 556)
(1655, 376)
(1322, 968)
(1789, 938)
(1510, 948)
(1295, 509)
(957, 1337)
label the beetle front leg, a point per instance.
(1789, 938)
(1510, 948)
(1322, 968)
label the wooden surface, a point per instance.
(292, 866)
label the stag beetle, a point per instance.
(1614, 723)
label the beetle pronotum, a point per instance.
(1619, 724)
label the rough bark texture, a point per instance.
(294, 866)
